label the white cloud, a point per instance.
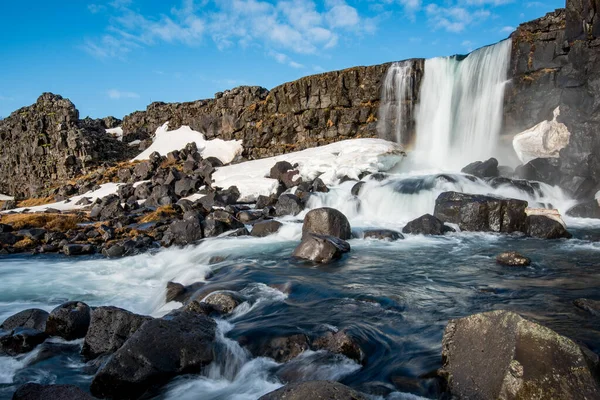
(285, 59)
(454, 19)
(486, 2)
(118, 94)
(96, 8)
(507, 29)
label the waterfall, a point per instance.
(459, 117)
(395, 113)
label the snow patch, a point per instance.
(4, 197)
(116, 132)
(166, 141)
(545, 140)
(330, 163)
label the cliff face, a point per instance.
(311, 111)
(46, 143)
(556, 63)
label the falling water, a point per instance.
(395, 113)
(459, 117)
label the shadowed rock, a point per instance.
(69, 320)
(327, 221)
(591, 306)
(426, 225)
(383, 234)
(314, 390)
(321, 249)
(33, 318)
(542, 227)
(340, 343)
(35, 391)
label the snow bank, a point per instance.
(116, 132)
(545, 140)
(330, 163)
(166, 141)
(4, 197)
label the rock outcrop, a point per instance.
(46, 143)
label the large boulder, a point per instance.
(289, 204)
(314, 390)
(265, 228)
(587, 209)
(184, 232)
(35, 391)
(426, 225)
(480, 213)
(69, 320)
(321, 248)
(483, 169)
(110, 327)
(21, 340)
(160, 350)
(543, 227)
(32, 318)
(280, 168)
(498, 354)
(327, 221)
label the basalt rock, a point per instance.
(317, 390)
(340, 343)
(265, 228)
(70, 320)
(327, 221)
(33, 318)
(35, 391)
(184, 232)
(591, 306)
(426, 225)
(513, 259)
(588, 209)
(498, 354)
(483, 169)
(21, 340)
(223, 302)
(542, 227)
(383, 234)
(289, 204)
(281, 349)
(320, 248)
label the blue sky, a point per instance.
(114, 57)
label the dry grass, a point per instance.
(371, 119)
(55, 222)
(24, 244)
(158, 214)
(32, 202)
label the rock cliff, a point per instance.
(46, 143)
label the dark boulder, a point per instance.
(69, 320)
(4, 228)
(158, 351)
(340, 343)
(32, 318)
(383, 234)
(78, 249)
(265, 228)
(327, 221)
(223, 302)
(545, 170)
(512, 259)
(321, 248)
(319, 186)
(288, 204)
(356, 189)
(109, 328)
(281, 349)
(228, 196)
(498, 354)
(591, 306)
(9, 239)
(248, 216)
(542, 227)
(9, 205)
(314, 390)
(480, 213)
(588, 209)
(265, 201)
(35, 391)
(109, 208)
(485, 169)
(21, 340)
(290, 179)
(426, 225)
(183, 232)
(280, 168)
(175, 291)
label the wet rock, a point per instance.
(480, 213)
(110, 327)
(591, 306)
(317, 390)
(248, 216)
(542, 227)
(200, 308)
(288, 204)
(114, 251)
(265, 228)
(158, 351)
(513, 259)
(21, 340)
(327, 221)
(265, 201)
(356, 189)
(383, 234)
(184, 232)
(545, 170)
(32, 318)
(485, 169)
(281, 349)
(223, 302)
(174, 291)
(529, 360)
(78, 249)
(588, 209)
(340, 343)
(69, 320)
(319, 186)
(321, 249)
(426, 225)
(35, 391)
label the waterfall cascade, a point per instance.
(459, 115)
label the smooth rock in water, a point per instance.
(288, 204)
(35, 391)
(160, 350)
(500, 355)
(355, 191)
(32, 318)
(319, 186)
(281, 349)
(513, 259)
(174, 291)
(265, 228)
(383, 234)
(588, 209)
(223, 302)
(327, 221)
(591, 306)
(321, 248)
(542, 227)
(340, 343)
(485, 169)
(426, 225)
(314, 390)
(21, 340)
(110, 327)
(69, 320)
(478, 213)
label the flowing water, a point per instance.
(396, 298)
